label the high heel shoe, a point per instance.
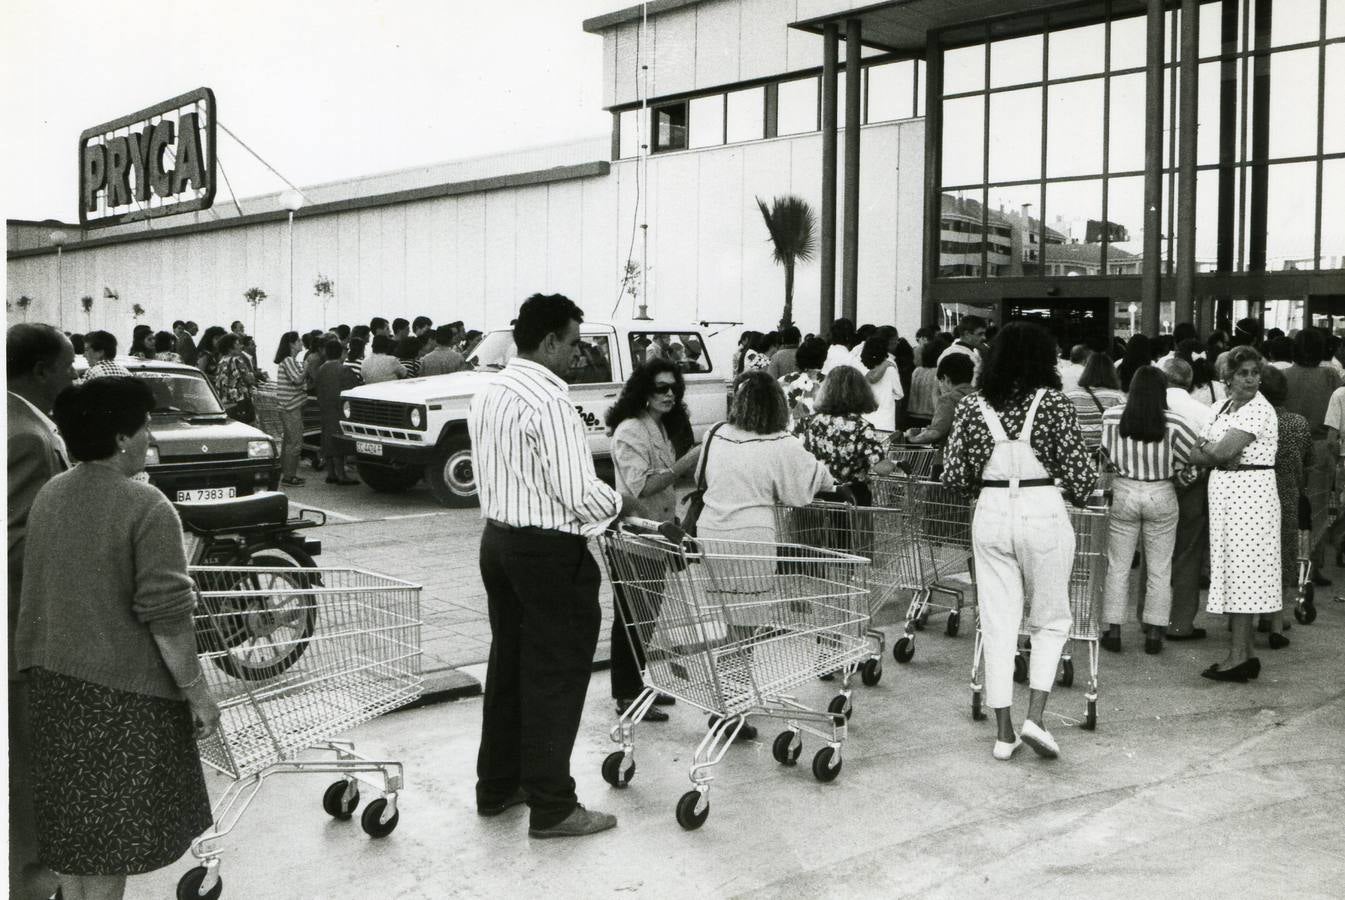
(1278, 641)
(1239, 673)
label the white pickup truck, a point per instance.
(404, 429)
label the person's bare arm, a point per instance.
(178, 650)
(1223, 452)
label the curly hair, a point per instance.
(1241, 354)
(759, 403)
(845, 392)
(1021, 360)
(640, 387)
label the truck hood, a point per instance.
(461, 385)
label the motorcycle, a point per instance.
(253, 625)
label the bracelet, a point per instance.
(200, 677)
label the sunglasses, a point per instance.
(664, 388)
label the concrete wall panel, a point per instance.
(673, 235)
(530, 244)
(674, 51)
(717, 34)
(500, 259)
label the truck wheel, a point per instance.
(451, 475)
(388, 479)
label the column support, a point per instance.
(1184, 308)
(827, 304)
(1151, 285)
(850, 262)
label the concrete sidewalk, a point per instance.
(1188, 788)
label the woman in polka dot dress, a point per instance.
(1240, 446)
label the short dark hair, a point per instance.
(421, 322)
(343, 331)
(926, 331)
(843, 332)
(356, 349)
(959, 368)
(332, 348)
(238, 322)
(1143, 418)
(543, 314)
(378, 323)
(383, 343)
(933, 349)
(77, 341)
(1079, 354)
(226, 343)
(811, 354)
(444, 335)
(759, 403)
(164, 342)
(104, 342)
(1309, 348)
(407, 347)
(845, 392)
(399, 323)
(360, 331)
(874, 351)
(1247, 331)
(91, 414)
(969, 324)
(28, 344)
(1099, 372)
(1021, 360)
(789, 335)
(178, 323)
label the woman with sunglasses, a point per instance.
(652, 447)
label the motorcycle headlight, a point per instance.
(152, 456)
(345, 409)
(417, 417)
(261, 450)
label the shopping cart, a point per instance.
(1085, 592)
(936, 557)
(731, 628)
(877, 533)
(920, 461)
(356, 656)
(1317, 512)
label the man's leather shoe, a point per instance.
(577, 824)
(664, 700)
(517, 798)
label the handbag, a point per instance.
(696, 499)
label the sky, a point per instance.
(322, 91)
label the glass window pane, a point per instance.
(1126, 137)
(1334, 117)
(1295, 21)
(798, 106)
(1333, 223)
(1077, 51)
(746, 115)
(630, 138)
(1335, 20)
(963, 137)
(840, 101)
(670, 127)
(1207, 220)
(1070, 206)
(1016, 60)
(1125, 213)
(1012, 231)
(1127, 43)
(1211, 28)
(964, 69)
(920, 81)
(891, 91)
(707, 121)
(1074, 128)
(1289, 216)
(1293, 103)
(1207, 114)
(960, 234)
(1015, 135)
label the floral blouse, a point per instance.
(1055, 440)
(849, 445)
(231, 380)
(801, 392)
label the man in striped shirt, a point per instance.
(541, 499)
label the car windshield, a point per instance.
(181, 393)
(494, 351)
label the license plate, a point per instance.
(368, 448)
(200, 494)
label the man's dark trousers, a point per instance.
(542, 593)
(1193, 535)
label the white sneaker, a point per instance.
(1005, 750)
(1039, 739)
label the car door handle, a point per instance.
(609, 396)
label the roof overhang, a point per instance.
(606, 21)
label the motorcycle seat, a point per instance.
(261, 508)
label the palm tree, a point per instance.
(792, 226)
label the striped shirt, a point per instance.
(289, 383)
(533, 464)
(1147, 460)
(1089, 405)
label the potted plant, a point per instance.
(792, 227)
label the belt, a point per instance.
(1248, 469)
(1024, 483)
(530, 529)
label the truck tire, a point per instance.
(388, 479)
(451, 475)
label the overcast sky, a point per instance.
(322, 90)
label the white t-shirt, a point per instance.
(1069, 375)
(887, 391)
(1196, 414)
(1335, 412)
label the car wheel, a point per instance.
(451, 474)
(388, 479)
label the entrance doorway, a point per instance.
(1070, 320)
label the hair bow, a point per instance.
(1198, 355)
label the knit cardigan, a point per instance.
(103, 571)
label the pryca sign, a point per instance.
(155, 162)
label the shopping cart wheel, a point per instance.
(977, 714)
(785, 751)
(1090, 719)
(822, 768)
(904, 649)
(841, 705)
(189, 885)
(687, 816)
(1066, 678)
(954, 622)
(1305, 612)
(1020, 669)
(611, 769)
(334, 799)
(871, 672)
(370, 820)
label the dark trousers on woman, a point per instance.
(542, 594)
(1193, 538)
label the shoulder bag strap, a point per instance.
(705, 457)
(1096, 401)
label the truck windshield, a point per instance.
(181, 393)
(494, 351)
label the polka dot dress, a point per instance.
(1244, 510)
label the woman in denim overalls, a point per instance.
(1017, 440)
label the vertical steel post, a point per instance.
(1151, 285)
(827, 305)
(1186, 162)
(933, 174)
(850, 270)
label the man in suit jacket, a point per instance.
(186, 341)
(40, 364)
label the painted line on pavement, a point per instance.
(424, 515)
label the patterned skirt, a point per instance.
(116, 777)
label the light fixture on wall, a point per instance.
(291, 201)
(59, 238)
